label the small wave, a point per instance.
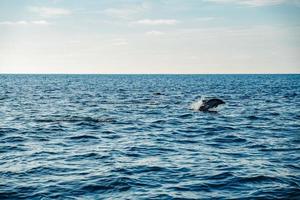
(75, 119)
(186, 141)
(253, 117)
(8, 130)
(147, 150)
(10, 195)
(43, 153)
(83, 137)
(256, 179)
(85, 156)
(275, 113)
(185, 116)
(141, 169)
(106, 185)
(257, 146)
(14, 139)
(293, 166)
(291, 193)
(50, 170)
(236, 154)
(21, 192)
(5, 149)
(228, 180)
(191, 187)
(159, 121)
(223, 175)
(3, 98)
(280, 149)
(230, 139)
(290, 95)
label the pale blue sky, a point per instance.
(149, 36)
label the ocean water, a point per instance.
(115, 137)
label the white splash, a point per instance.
(197, 104)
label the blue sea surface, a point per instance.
(137, 137)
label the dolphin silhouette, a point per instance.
(209, 104)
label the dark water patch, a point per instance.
(275, 114)
(184, 134)
(148, 151)
(20, 192)
(295, 141)
(83, 137)
(3, 97)
(199, 187)
(293, 166)
(48, 120)
(75, 119)
(290, 95)
(229, 139)
(109, 135)
(164, 196)
(8, 149)
(107, 185)
(185, 116)
(160, 121)
(224, 175)
(112, 136)
(257, 179)
(44, 153)
(228, 128)
(11, 195)
(290, 193)
(157, 93)
(7, 130)
(141, 169)
(254, 118)
(50, 170)
(91, 156)
(41, 138)
(257, 146)
(212, 130)
(280, 149)
(186, 141)
(14, 139)
(235, 154)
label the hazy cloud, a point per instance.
(119, 42)
(126, 12)
(157, 21)
(40, 22)
(154, 33)
(24, 22)
(50, 11)
(143, 36)
(204, 19)
(251, 2)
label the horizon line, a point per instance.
(296, 73)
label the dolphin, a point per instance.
(209, 104)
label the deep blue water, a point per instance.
(113, 137)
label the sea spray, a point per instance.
(197, 104)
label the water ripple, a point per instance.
(136, 137)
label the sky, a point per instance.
(150, 36)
